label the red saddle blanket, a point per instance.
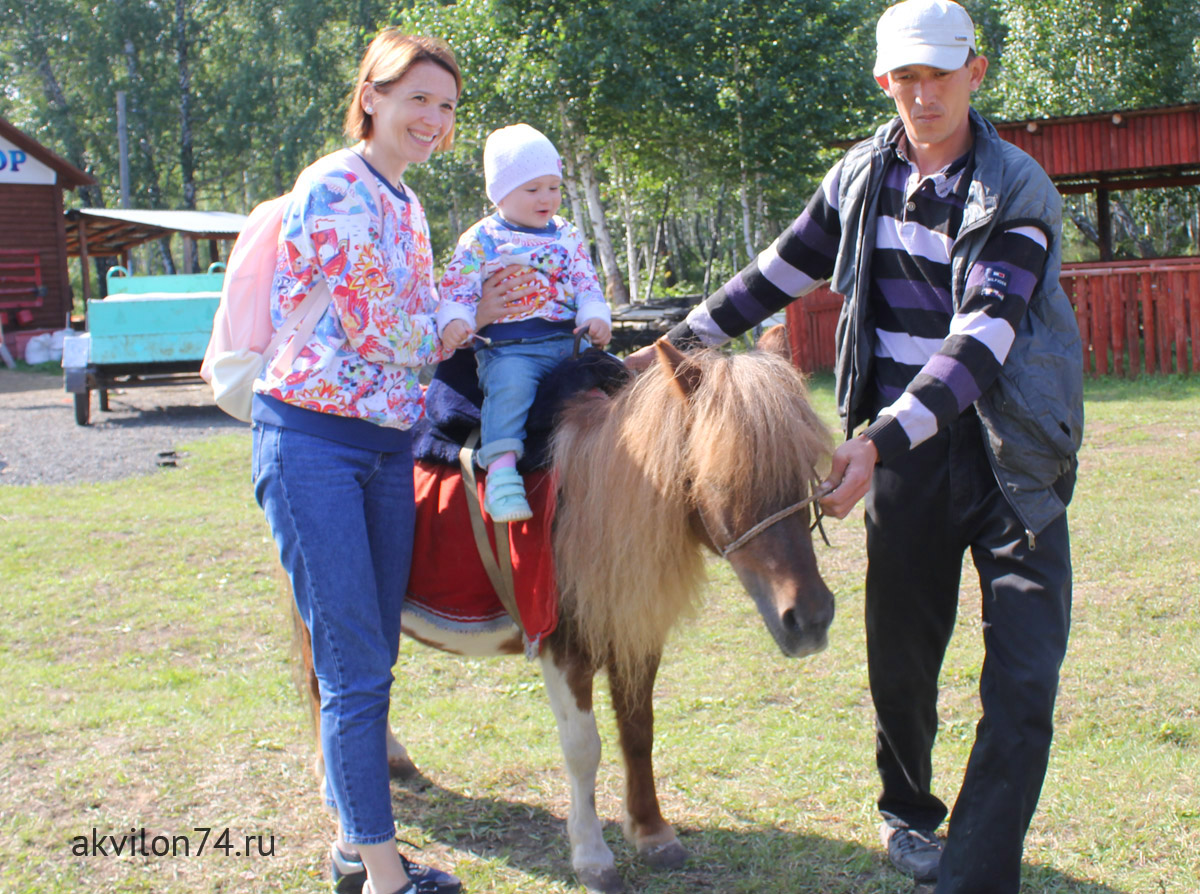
(448, 582)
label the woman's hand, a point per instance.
(599, 332)
(501, 292)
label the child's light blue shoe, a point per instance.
(504, 496)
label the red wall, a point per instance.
(31, 220)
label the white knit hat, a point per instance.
(937, 33)
(514, 155)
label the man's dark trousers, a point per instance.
(923, 511)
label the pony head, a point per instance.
(693, 453)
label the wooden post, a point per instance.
(1104, 224)
(1115, 322)
(83, 263)
(1193, 295)
(1149, 327)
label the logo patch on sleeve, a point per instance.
(995, 283)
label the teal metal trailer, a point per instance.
(149, 331)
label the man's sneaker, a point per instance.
(349, 875)
(913, 851)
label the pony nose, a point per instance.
(816, 621)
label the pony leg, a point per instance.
(570, 692)
(400, 765)
(645, 828)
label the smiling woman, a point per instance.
(332, 455)
(402, 108)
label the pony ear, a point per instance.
(685, 374)
(775, 341)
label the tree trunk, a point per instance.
(747, 225)
(614, 289)
(658, 234)
(631, 249)
(574, 201)
(677, 262)
(191, 261)
(164, 251)
(760, 213)
(1122, 216)
(714, 235)
(1085, 226)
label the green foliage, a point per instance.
(702, 117)
(1071, 58)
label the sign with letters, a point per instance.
(17, 166)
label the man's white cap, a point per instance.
(514, 155)
(923, 32)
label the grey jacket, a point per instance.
(1033, 413)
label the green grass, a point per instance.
(146, 679)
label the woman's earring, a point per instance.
(371, 110)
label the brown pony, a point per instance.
(705, 451)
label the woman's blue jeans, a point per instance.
(509, 375)
(342, 518)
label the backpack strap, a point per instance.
(303, 320)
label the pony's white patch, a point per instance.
(580, 742)
(482, 643)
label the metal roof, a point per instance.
(1121, 149)
(113, 231)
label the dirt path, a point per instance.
(41, 444)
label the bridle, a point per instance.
(818, 491)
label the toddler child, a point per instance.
(523, 176)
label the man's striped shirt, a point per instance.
(930, 362)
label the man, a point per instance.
(959, 349)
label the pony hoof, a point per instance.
(605, 881)
(403, 769)
(671, 855)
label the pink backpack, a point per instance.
(243, 337)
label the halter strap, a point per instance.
(738, 542)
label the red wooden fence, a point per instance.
(1137, 316)
(1134, 317)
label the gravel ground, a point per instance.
(41, 444)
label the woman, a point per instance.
(332, 461)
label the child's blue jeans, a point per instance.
(342, 518)
(509, 375)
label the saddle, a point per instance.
(452, 585)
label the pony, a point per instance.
(702, 453)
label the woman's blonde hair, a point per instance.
(389, 58)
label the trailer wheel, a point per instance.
(83, 407)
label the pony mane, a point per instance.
(633, 467)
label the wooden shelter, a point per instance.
(1134, 315)
(35, 291)
(112, 232)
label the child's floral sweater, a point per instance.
(567, 287)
